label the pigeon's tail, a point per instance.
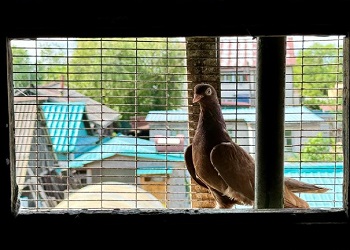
(291, 200)
(296, 186)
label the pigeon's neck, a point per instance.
(212, 116)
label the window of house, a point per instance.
(77, 102)
(233, 77)
(289, 141)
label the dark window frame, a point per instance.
(33, 23)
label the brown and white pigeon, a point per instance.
(217, 163)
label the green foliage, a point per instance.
(23, 68)
(51, 62)
(318, 69)
(48, 64)
(319, 148)
(130, 75)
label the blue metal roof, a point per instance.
(84, 144)
(292, 114)
(326, 174)
(162, 170)
(127, 146)
(65, 124)
(311, 166)
(300, 113)
(167, 115)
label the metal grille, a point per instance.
(103, 123)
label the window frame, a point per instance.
(101, 25)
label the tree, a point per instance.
(131, 75)
(318, 69)
(52, 61)
(45, 63)
(319, 148)
(23, 68)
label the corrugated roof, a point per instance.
(64, 121)
(324, 166)
(127, 146)
(98, 113)
(31, 137)
(26, 116)
(327, 177)
(241, 51)
(292, 114)
(326, 174)
(154, 170)
(167, 115)
(85, 143)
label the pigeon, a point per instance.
(222, 166)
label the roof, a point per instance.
(109, 195)
(125, 146)
(65, 122)
(311, 166)
(32, 136)
(292, 114)
(242, 51)
(326, 174)
(167, 116)
(26, 116)
(154, 170)
(97, 113)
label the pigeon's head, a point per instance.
(203, 93)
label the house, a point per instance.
(167, 123)
(241, 125)
(69, 129)
(157, 171)
(161, 173)
(101, 117)
(170, 144)
(139, 127)
(238, 71)
(86, 157)
(37, 170)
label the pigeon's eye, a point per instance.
(208, 91)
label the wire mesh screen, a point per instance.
(103, 123)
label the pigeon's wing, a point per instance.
(235, 166)
(190, 166)
(297, 186)
(293, 201)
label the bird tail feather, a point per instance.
(297, 186)
(293, 201)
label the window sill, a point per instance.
(191, 216)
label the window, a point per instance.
(289, 141)
(95, 99)
(231, 77)
(31, 25)
(237, 71)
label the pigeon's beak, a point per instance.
(196, 98)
